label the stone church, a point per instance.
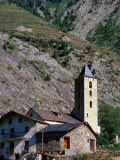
(53, 133)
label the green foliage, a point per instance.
(60, 6)
(113, 147)
(109, 120)
(107, 34)
(47, 77)
(9, 45)
(36, 105)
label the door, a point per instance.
(11, 147)
(12, 133)
(67, 142)
(92, 145)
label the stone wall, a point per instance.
(79, 141)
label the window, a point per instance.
(26, 129)
(59, 115)
(20, 120)
(91, 93)
(12, 131)
(87, 114)
(2, 145)
(90, 84)
(10, 121)
(67, 142)
(31, 115)
(90, 104)
(2, 132)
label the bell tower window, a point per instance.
(90, 93)
(90, 104)
(90, 84)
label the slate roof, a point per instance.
(49, 115)
(65, 127)
(86, 72)
(60, 127)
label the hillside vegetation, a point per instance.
(38, 68)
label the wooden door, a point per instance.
(67, 142)
(12, 133)
(91, 145)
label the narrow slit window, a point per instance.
(90, 104)
(90, 84)
(90, 93)
(87, 114)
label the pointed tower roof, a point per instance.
(86, 72)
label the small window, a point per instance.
(26, 129)
(87, 114)
(67, 142)
(90, 104)
(90, 93)
(2, 145)
(59, 115)
(20, 120)
(31, 115)
(90, 84)
(88, 140)
(10, 121)
(2, 132)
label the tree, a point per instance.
(109, 120)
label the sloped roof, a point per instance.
(10, 113)
(64, 127)
(49, 115)
(86, 72)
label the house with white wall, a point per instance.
(18, 135)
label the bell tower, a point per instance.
(86, 105)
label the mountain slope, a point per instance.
(38, 68)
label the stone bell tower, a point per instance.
(86, 105)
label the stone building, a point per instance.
(67, 139)
(86, 103)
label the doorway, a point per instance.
(92, 145)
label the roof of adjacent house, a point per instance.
(49, 115)
(65, 127)
(20, 114)
(86, 72)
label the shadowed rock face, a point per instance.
(22, 85)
